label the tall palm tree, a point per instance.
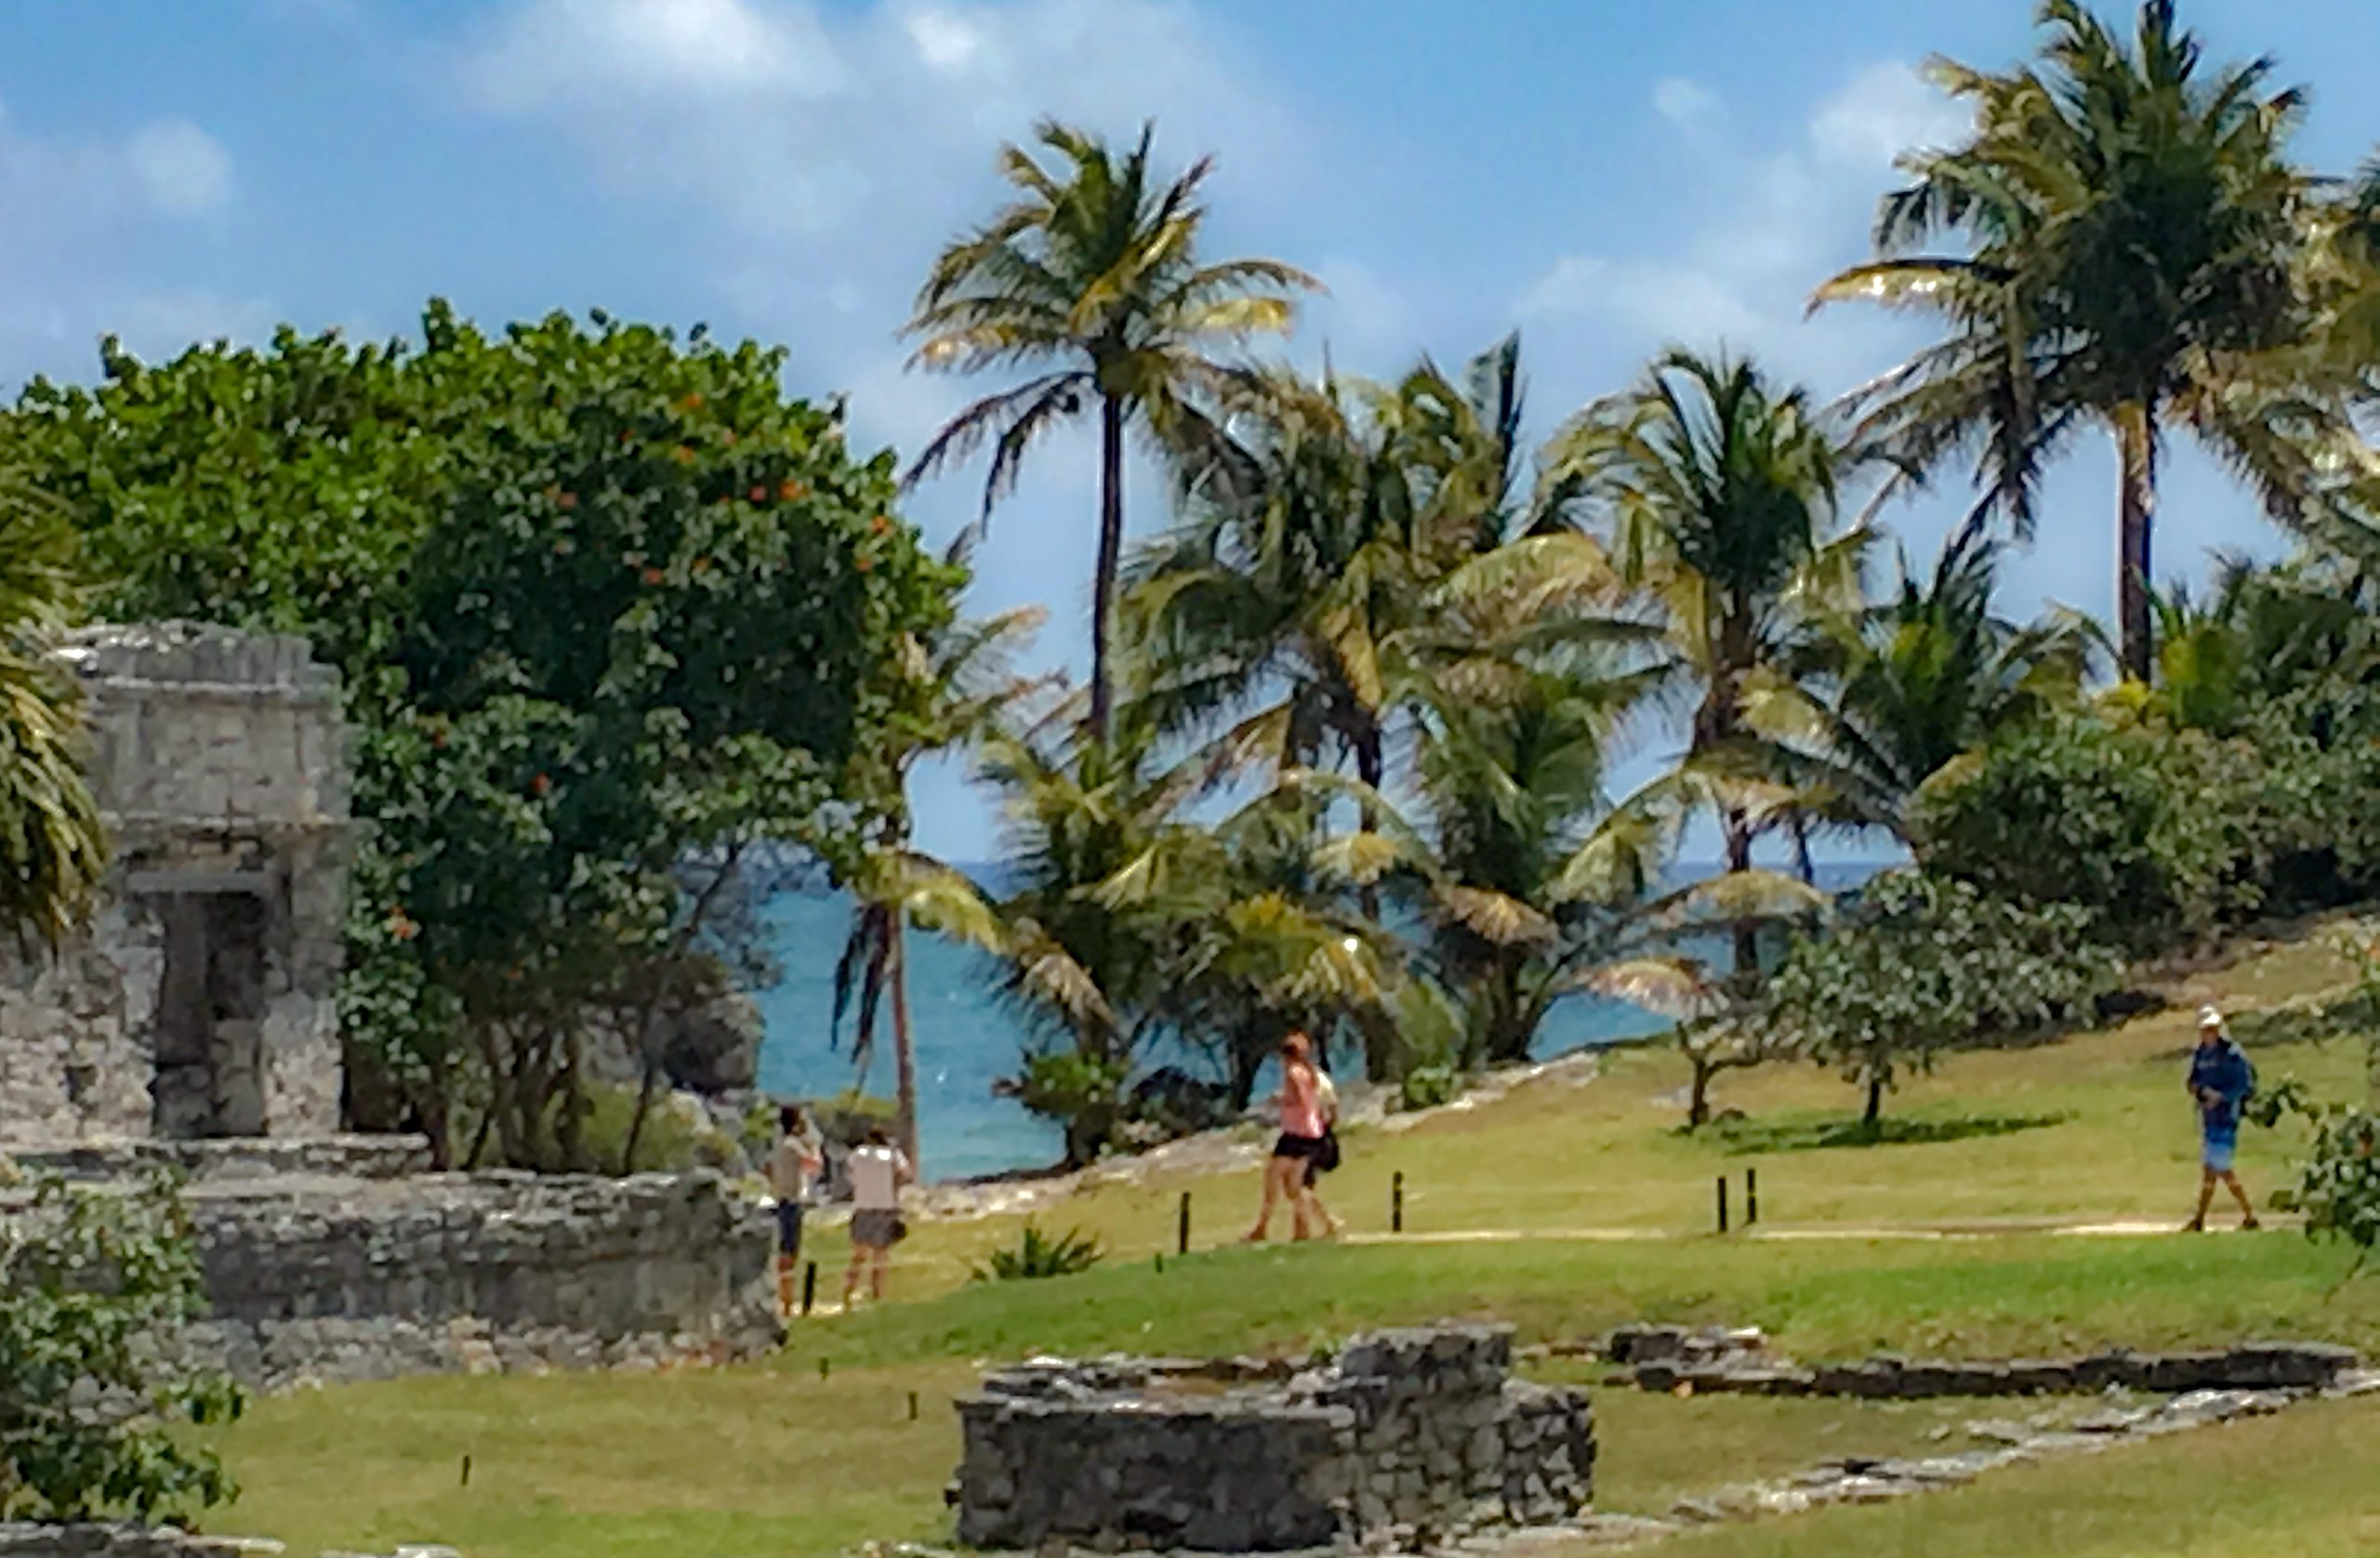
(1091, 276)
(2135, 240)
(969, 667)
(1716, 495)
(53, 849)
(1879, 699)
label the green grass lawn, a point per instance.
(784, 1459)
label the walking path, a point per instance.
(1844, 1233)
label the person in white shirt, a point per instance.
(793, 1167)
(877, 1171)
(1327, 1158)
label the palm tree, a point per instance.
(1093, 277)
(969, 669)
(1880, 699)
(1313, 539)
(2134, 255)
(52, 844)
(1716, 495)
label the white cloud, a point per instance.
(1775, 222)
(1689, 105)
(180, 168)
(582, 55)
(1885, 111)
(84, 212)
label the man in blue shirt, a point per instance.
(2221, 1081)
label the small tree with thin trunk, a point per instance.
(1923, 965)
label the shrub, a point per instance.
(95, 1288)
(1039, 1255)
(1429, 1087)
(1083, 1093)
(2157, 834)
(1921, 964)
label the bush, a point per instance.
(2159, 835)
(1429, 1087)
(1083, 1093)
(1038, 1255)
(1921, 964)
(95, 1288)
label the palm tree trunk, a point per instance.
(1737, 830)
(2136, 456)
(1111, 549)
(905, 1058)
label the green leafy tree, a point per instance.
(1923, 965)
(1715, 493)
(2135, 239)
(1093, 275)
(95, 1288)
(625, 611)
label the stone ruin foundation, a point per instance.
(1407, 1437)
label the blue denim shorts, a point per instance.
(2216, 1153)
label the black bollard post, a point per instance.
(1723, 1203)
(823, 1366)
(1181, 1230)
(1396, 1202)
(913, 1407)
(466, 1471)
(1752, 1197)
(809, 1285)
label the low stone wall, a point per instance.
(1409, 1437)
(25, 1539)
(341, 1280)
(1666, 1358)
(249, 1157)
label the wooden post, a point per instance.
(809, 1285)
(823, 1368)
(466, 1471)
(1396, 1202)
(1752, 1197)
(1723, 1203)
(913, 1407)
(1181, 1229)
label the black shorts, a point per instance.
(1307, 1148)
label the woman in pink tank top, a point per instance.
(1300, 1101)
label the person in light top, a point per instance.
(877, 1171)
(1301, 1141)
(793, 1167)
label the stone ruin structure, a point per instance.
(202, 1001)
(194, 1026)
(1407, 1438)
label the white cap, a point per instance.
(2210, 1017)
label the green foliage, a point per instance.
(1429, 1087)
(1093, 276)
(94, 1288)
(1084, 1094)
(52, 846)
(605, 604)
(2338, 1185)
(2157, 835)
(1921, 964)
(1039, 1255)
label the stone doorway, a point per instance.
(210, 1079)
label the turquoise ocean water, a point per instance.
(965, 1041)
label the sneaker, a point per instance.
(2249, 1225)
(2195, 1226)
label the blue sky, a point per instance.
(1607, 178)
